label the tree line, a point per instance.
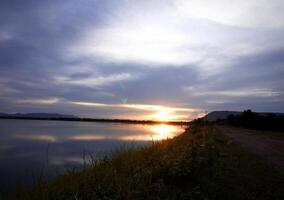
(253, 120)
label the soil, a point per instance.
(268, 145)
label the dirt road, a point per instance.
(268, 145)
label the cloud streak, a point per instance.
(133, 106)
(95, 81)
(47, 101)
(235, 13)
(254, 92)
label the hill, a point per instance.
(36, 115)
(215, 115)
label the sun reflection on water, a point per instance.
(138, 133)
(88, 137)
(163, 131)
(156, 132)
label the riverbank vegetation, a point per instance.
(258, 121)
(199, 164)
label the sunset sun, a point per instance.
(164, 116)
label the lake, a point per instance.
(31, 148)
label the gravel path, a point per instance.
(268, 145)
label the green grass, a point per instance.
(199, 164)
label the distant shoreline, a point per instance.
(126, 121)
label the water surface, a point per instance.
(31, 148)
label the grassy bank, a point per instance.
(199, 164)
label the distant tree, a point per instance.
(253, 120)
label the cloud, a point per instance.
(47, 101)
(151, 41)
(178, 35)
(134, 36)
(133, 106)
(243, 13)
(4, 89)
(141, 53)
(5, 36)
(254, 92)
(95, 81)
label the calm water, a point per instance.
(30, 148)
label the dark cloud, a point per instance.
(221, 67)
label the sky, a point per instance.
(150, 59)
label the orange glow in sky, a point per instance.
(164, 116)
(167, 115)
